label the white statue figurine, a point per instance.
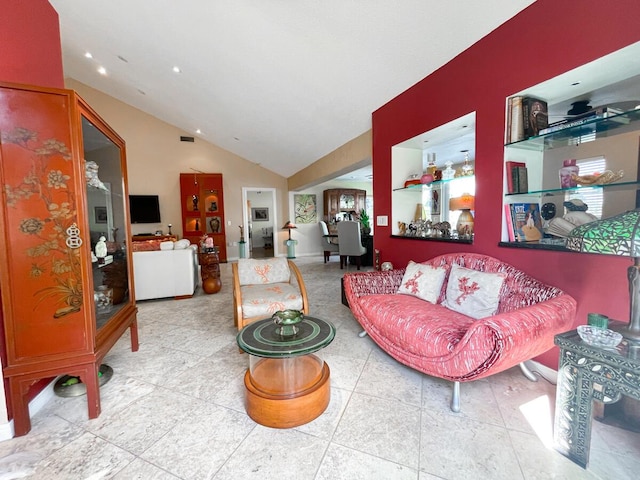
(101, 248)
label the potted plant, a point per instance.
(365, 222)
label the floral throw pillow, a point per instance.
(473, 293)
(423, 281)
(263, 271)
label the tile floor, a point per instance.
(174, 410)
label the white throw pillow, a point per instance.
(166, 245)
(423, 281)
(181, 244)
(473, 293)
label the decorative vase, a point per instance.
(569, 167)
(426, 179)
(448, 173)
(465, 224)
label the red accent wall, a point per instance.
(544, 40)
(30, 50)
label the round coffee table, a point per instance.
(287, 383)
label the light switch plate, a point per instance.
(382, 221)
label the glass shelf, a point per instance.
(553, 191)
(421, 186)
(536, 246)
(603, 127)
(435, 239)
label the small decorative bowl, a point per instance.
(599, 337)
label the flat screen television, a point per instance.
(144, 209)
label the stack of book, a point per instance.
(586, 117)
(517, 178)
(526, 116)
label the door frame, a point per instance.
(246, 215)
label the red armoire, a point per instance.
(65, 277)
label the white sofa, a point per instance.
(165, 273)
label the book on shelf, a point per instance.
(526, 222)
(515, 127)
(507, 217)
(535, 116)
(526, 116)
(517, 179)
(587, 117)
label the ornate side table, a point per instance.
(589, 373)
(287, 383)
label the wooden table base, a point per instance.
(283, 409)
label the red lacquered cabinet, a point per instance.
(64, 186)
(202, 206)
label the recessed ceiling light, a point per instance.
(123, 59)
(198, 131)
(177, 70)
(142, 92)
(102, 70)
(88, 55)
(576, 83)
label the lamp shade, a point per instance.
(618, 235)
(465, 201)
(288, 225)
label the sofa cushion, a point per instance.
(423, 281)
(181, 244)
(265, 300)
(263, 271)
(414, 325)
(473, 293)
(166, 245)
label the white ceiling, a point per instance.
(280, 83)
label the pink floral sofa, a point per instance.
(433, 336)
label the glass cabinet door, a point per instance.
(106, 212)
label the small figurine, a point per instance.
(101, 249)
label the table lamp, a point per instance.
(617, 235)
(291, 244)
(465, 203)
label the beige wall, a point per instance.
(156, 157)
(354, 154)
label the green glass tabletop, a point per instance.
(263, 338)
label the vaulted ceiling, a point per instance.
(278, 82)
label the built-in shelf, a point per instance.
(535, 246)
(421, 186)
(553, 191)
(435, 239)
(602, 127)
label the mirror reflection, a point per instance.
(106, 211)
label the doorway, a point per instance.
(260, 222)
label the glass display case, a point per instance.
(67, 286)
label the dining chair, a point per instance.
(350, 243)
(329, 244)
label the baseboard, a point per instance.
(35, 405)
(549, 374)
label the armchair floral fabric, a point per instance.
(261, 287)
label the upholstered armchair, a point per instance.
(261, 287)
(329, 244)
